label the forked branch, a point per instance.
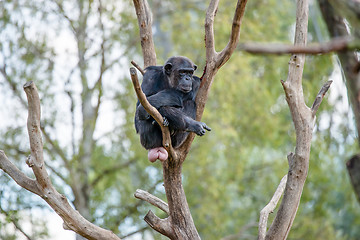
(303, 118)
(42, 186)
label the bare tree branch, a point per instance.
(162, 226)
(138, 67)
(320, 97)
(44, 188)
(180, 218)
(157, 202)
(225, 54)
(335, 45)
(144, 17)
(19, 177)
(153, 112)
(303, 118)
(269, 208)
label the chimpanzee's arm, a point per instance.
(179, 121)
(169, 98)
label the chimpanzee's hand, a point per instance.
(166, 122)
(199, 128)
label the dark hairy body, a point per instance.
(172, 90)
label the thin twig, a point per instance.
(138, 67)
(320, 97)
(269, 208)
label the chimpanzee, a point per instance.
(172, 90)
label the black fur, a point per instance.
(172, 90)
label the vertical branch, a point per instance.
(144, 17)
(303, 118)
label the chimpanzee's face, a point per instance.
(180, 72)
(184, 77)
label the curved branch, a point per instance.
(153, 112)
(162, 226)
(43, 186)
(225, 54)
(19, 177)
(138, 67)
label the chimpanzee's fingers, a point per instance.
(207, 127)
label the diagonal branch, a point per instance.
(157, 202)
(153, 112)
(42, 186)
(138, 67)
(225, 54)
(19, 177)
(269, 208)
(320, 97)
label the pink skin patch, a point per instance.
(157, 153)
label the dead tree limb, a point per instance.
(42, 186)
(269, 208)
(138, 67)
(304, 119)
(335, 45)
(157, 202)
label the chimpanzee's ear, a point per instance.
(167, 68)
(195, 67)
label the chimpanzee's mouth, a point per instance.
(186, 89)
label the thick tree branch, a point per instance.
(19, 177)
(303, 118)
(225, 54)
(209, 29)
(335, 45)
(269, 208)
(162, 226)
(144, 17)
(43, 186)
(155, 201)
